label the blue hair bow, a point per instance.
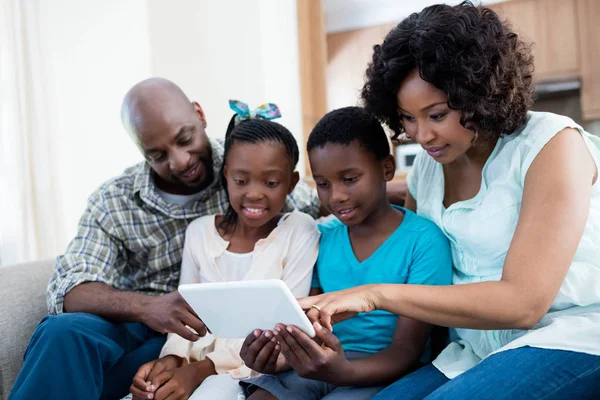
(264, 111)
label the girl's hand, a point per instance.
(262, 353)
(333, 307)
(179, 383)
(326, 362)
(142, 387)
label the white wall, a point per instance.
(345, 15)
(281, 65)
(237, 49)
(96, 50)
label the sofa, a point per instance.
(22, 306)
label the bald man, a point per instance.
(113, 293)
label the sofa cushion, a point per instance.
(22, 306)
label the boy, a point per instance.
(371, 241)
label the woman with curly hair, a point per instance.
(515, 192)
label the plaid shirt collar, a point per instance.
(144, 188)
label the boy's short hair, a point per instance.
(344, 125)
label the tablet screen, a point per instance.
(235, 309)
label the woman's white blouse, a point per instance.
(480, 231)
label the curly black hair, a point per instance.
(345, 125)
(467, 52)
(253, 131)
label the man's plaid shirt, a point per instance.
(132, 239)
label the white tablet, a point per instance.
(235, 309)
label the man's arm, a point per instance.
(84, 275)
(165, 314)
(100, 299)
(90, 257)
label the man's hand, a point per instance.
(142, 387)
(170, 314)
(326, 362)
(262, 353)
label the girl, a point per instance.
(252, 240)
(516, 192)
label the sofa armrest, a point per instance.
(22, 306)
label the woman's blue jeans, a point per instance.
(523, 373)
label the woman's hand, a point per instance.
(262, 353)
(325, 362)
(333, 307)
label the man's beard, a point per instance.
(207, 162)
(209, 177)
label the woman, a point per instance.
(514, 191)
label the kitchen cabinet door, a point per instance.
(551, 25)
(589, 45)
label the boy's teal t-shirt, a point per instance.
(416, 253)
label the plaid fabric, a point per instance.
(132, 239)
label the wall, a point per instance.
(354, 27)
(348, 54)
(241, 49)
(94, 51)
(345, 15)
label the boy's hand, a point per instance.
(141, 387)
(262, 353)
(325, 362)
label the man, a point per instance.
(113, 293)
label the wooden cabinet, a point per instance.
(565, 35)
(588, 12)
(551, 26)
(312, 54)
(348, 54)
(566, 42)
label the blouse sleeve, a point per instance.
(190, 273)
(302, 256)
(539, 132)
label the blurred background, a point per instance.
(65, 66)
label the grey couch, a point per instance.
(22, 306)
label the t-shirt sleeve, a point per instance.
(432, 259)
(190, 273)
